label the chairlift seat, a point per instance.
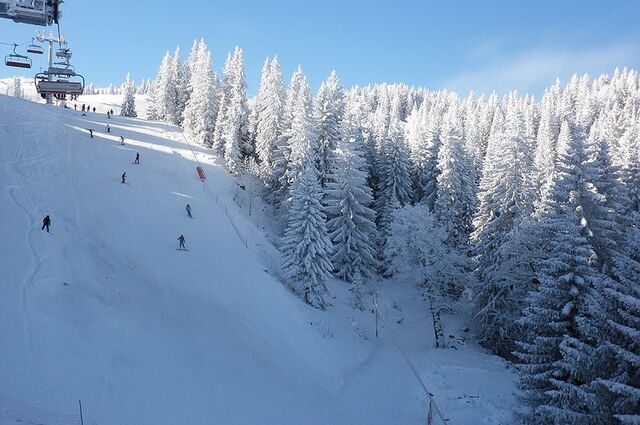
(35, 49)
(17, 61)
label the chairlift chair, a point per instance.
(16, 60)
(59, 88)
(63, 54)
(35, 49)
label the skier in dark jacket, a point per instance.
(181, 239)
(188, 208)
(108, 128)
(90, 133)
(122, 140)
(137, 160)
(124, 177)
(46, 222)
(94, 109)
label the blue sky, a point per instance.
(459, 45)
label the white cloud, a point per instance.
(533, 70)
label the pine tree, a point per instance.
(352, 228)
(282, 152)
(394, 169)
(269, 114)
(232, 128)
(302, 141)
(328, 114)
(454, 204)
(165, 95)
(306, 246)
(505, 199)
(129, 100)
(199, 113)
(557, 353)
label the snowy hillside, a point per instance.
(106, 310)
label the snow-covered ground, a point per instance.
(106, 310)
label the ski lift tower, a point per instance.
(50, 39)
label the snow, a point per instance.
(104, 309)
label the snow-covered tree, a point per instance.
(328, 114)
(557, 351)
(301, 139)
(418, 251)
(352, 228)
(14, 88)
(165, 91)
(306, 245)
(269, 114)
(506, 198)
(200, 111)
(128, 108)
(231, 126)
(394, 169)
(454, 203)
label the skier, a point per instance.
(189, 211)
(122, 140)
(94, 109)
(181, 239)
(124, 177)
(75, 107)
(137, 160)
(83, 107)
(88, 108)
(108, 115)
(90, 133)
(108, 129)
(111, 112)
(46, 222)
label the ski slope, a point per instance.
(106, 310)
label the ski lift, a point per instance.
(61, 87)
(35, 12)
(16, 60)
(63, 54)
(35, 49)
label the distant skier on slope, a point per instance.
(124, 177)
(188, 208)
(94, 109)
(137, 160)
(108, 129)
(46, 222)
(90, 133)
(181, 239)
(122, 140)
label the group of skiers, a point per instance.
(46, 222)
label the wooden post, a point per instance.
(81, 418)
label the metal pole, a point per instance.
(375, 302)
(81, 419)
(49, 76)
(406, 357)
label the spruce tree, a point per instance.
(128, 108)
(269, 115)
(558, 349)
(454, 204)
(352, 228)
(306, 245)
(328, 114)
